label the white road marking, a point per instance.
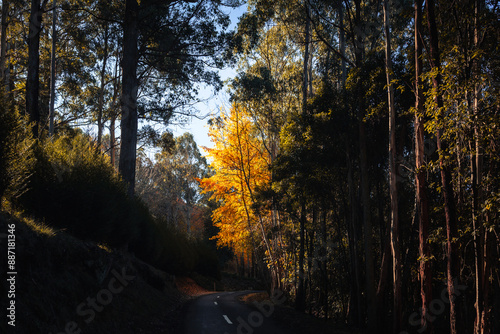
(227, 319)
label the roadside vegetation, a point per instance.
(76, 230)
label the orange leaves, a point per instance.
(240, 163)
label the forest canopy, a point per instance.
(355, 168)
(359, 160)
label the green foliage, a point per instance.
(169, 183)
(16, 157)
(73, 186)
(312, 147)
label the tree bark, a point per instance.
(446, 180)
(305, 74)
(53, 70)
(368, 230)
(114, 114)
(130, 83)
(420, 181)
(395, 242)
(355, 313)
(323, 263)
(383, 285)
(359, 47)
(100, 106)
(482, 236)
(300, 297)
(33, 80)
(342, 44)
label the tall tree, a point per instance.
(102, 89)
(420, 178)
(446, 180)
(33, 80)
(359, 51)
(53, 69)
(130, 86)
(240, 164)
(393, 178)
(300, 300)
(175, 42)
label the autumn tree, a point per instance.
(239, 161)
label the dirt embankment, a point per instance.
(65, 285)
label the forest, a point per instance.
(355, 167)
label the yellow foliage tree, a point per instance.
(240, 162)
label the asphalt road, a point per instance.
(223, 313)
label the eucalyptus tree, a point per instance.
(170, 48)
(422, 199)
(168, 183)
(33, 80)
(275, 64)
(88, 57)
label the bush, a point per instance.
(16, 158)
(73, 186)
(177, 255)
(207, 260)
(180, 254)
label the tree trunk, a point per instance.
(53, 70)
(342, 44)
(446, 180)
(310, 266)
(3, 43)
(112, 140)
(355, 313)
(305, 73)
(33, 80)
(395, 242)
(383, 285)
(129, 121)
(359, 55)
(323, 263)
(482, 236)
(420, 181)
(300, 299)
(114, 114)
(368, 230)
(100, 106)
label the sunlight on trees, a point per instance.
(356, 170)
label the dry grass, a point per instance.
(189, 287)
(255, 297)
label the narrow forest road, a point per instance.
(224, 313)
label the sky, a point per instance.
(212, 103)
